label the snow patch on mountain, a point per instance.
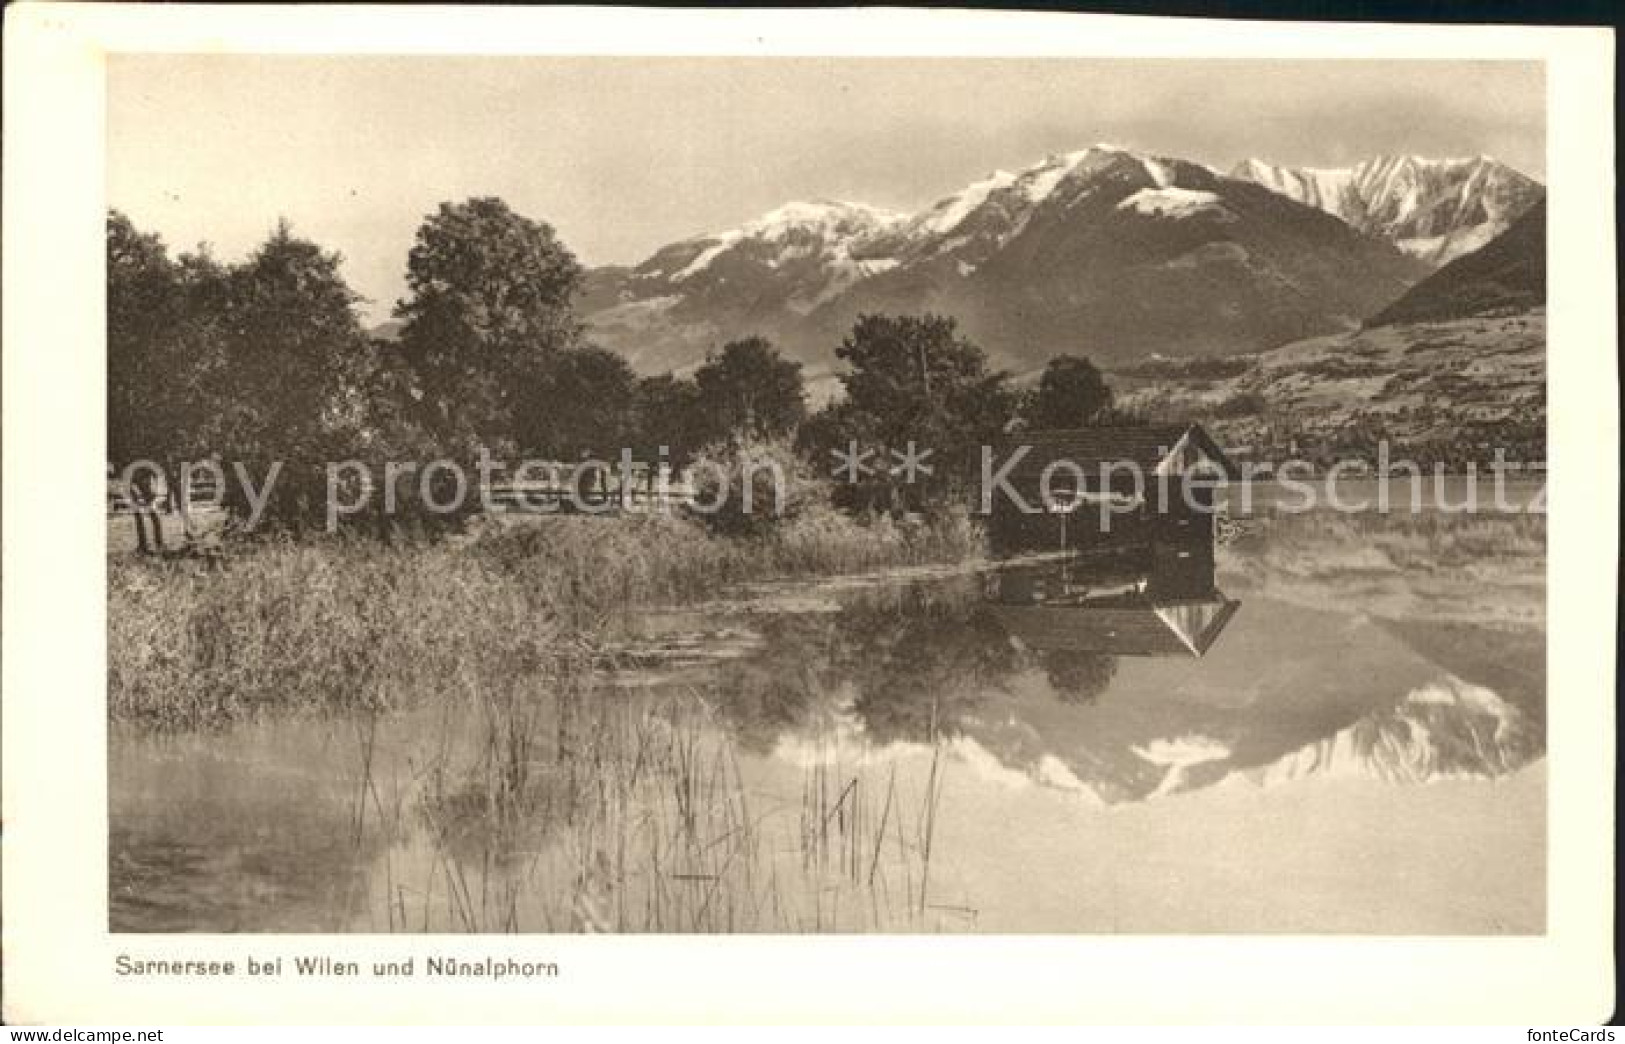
(1158, 172)
(834, 219)
(1451, 245)
(703, 260)
(1172, 202)
(1038, 183)
(947, 214)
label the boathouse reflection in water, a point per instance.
(1158, 602)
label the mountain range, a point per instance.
(1435, 210)
(1105, 251)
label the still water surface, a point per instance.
(1329, 724)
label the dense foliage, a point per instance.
(263, 366)
(489, 306)
(1071, 393)
(913, 384)
(258, 363)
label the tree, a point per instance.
(1071, 394)
(669, 414)
(578, 401)
(261, 363)
(290, 386)
(750, 390)
(143, 295)
(490, 301)
(912, 380)
(142, 414)
(165, 338)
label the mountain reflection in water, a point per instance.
(1126, 677)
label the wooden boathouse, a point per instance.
(1086, 488)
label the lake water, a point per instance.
(1335, 724)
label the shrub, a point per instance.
(748, 486)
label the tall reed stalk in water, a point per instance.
(635, 816)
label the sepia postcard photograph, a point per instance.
(1075, 493)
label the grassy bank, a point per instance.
(333, 625)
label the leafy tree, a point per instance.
(291, 383)
(261, 362)
(670, 414)
(578, 401)
(749, 389)
(165, 337)
(149, 415)
(1070, 394)
(490, 300)
(912, 379)
(143, 299)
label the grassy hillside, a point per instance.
(1444, 391)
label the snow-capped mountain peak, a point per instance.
(1321, 187)
(1032, 184)
(987, 214)
(826, 227)
(1107, 248)
(1000, 204)
(1433, 209)
(947, 213)
(834, 217)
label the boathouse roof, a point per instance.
(1170, 449)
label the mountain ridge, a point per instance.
(1105, 251)
(1433, 209)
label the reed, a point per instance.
(596, 568)
(336, 625)
(636, 817)
(313, 627)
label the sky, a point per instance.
(622, 156)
